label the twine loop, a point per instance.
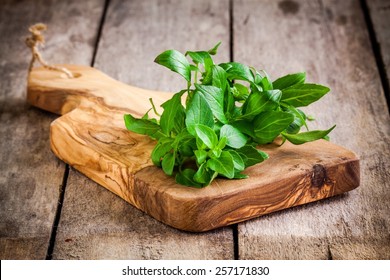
(37, 39)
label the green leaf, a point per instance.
(309, 136)
(245, 127)
(168, 163)
(235, 138)
(303, 94)
(173, 116)
(268, 125)
(207, 135)
(237, 71)
(289, 80)
(141, 126)
(240, 92)
(203, 176)
(251, 155)
(222, 142)
(258, 102)
(299, 120)
(213, 51)
(176, 62)
(238, 175)
(198, 112)
(218, 77)
(200, 155)
(214, 97)
(215, 153)
(223, 165)
(262, 80)
(201, 57)
(161, 149)
(238, 162)
(186, 177)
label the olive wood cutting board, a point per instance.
(91, 137)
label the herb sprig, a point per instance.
(229, 109)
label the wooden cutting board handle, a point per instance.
(53, 91)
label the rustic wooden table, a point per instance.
(48, 210)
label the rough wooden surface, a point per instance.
(379, 11)
(30, 174)
(133, 34)
(329, 40)
(91, 137)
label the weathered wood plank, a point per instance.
(96, 224)
(329, 40)
(30, 173)
(380, 15)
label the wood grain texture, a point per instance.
(133, 34)
(93, 139)
(380, 15)
(30, 173)
(328, 40)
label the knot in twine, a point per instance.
(37, 39)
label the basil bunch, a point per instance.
(228, 111)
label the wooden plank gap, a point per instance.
(376, 48)
(100, 29)
(231, 30)
(235, 242)
(330, 256)
(53, 235)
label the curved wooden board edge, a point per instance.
(91, 137)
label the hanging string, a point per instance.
(33, 42)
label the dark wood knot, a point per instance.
(319, 176)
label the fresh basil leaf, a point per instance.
(201, 57)
(214, 97)
(299, 120)
(238, 162)
(230, 108)
(160, 150)
(268, 125)
(186, 178)
(308, 136)
(198, 56)
(194, 68)
(258, 102)
(240, 92)
(222, 142)
(218, 77)
(223, 165)
(214, 50)
(176, 62)
(235, 138)
(207, 135)
(200, 155)
(203, 176)
(168, 163)
(303, 94)
(239, 175)
(181, 138)
(215, 152)
(262, 80)
(141, 126)
(237, 71)
(289, 80)
(173, 116)
(251, 155)
(245, 127)
(198, 112)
